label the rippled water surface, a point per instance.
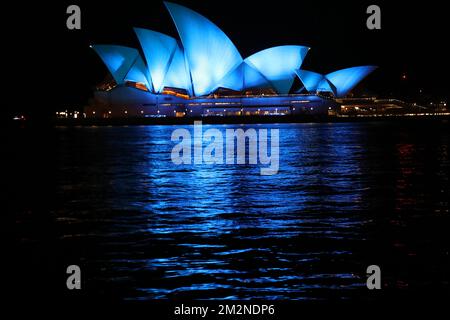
(347, 195)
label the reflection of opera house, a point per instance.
(204, 74)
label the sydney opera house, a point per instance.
(203, 74)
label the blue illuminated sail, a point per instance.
(177, 75)
(326, 86)
(346, 79)
(118, 59)
(209, 52)
(234, 79)
(139, 73)
(309, 79)
(158, 50)
(278, 65)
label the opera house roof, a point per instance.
(205, 59)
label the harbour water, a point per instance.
(347, 195)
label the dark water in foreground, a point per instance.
(347, 195)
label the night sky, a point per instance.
(58, 70)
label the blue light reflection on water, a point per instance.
(157, 230)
